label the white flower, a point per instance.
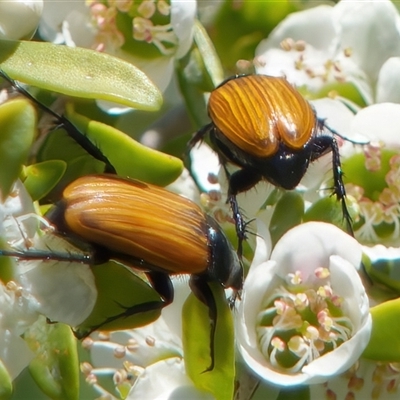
(304, 315)
(372, 174)
(326, 45)
(19, 19)
(18, 313)
(95, 26)
(366, 380)
(145, 362)
(62, 291)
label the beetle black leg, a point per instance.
(339, 188)
(162, 284)
(202, 291)
(240, 181)
(321, 144)
(198, 137)
(69, 127)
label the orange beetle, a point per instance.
(150, 229)
(263, 125)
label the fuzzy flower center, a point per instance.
(118, 23)
(128, 354)
(378, 196)
(313, 63)
(301, 322)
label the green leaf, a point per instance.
(129, 157)
(41, 178)
(6, 383)
(288, 213)
(55, 368)
(384, 344)
(327, 209)
(239, 27)
(296, 392)
(386, 271)
(18, 124)
(7, 264)
(196, 345)
(118, 291)
(348, 90)
(58, 146)
(211, 67)
(79, 72)
(198, 72)
(373, 182)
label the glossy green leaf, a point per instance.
(210, 63)
(200, 71)
(373, 182)
(129, 157)
(288, 213)
(6, 383)
(55, 368)
(297, 392)
(196, 345)
(327, 209)
(348, 90)
(240, 26)
(58, 146)
(386, 271)
(18, 124)
(79, 72)
(41, 178)
(119, 290)
(7, 264)
(384, 344)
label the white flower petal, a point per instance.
(261, 277)
(335, 115)
(66, 292)
(364, 26)
(13, 12)
(166, 380)
(14, 352)
(379, 122)
(183, 14)
(306, 248)
(263, 245)
(204, 161)
(388, 85)
(372, 381)
(54, 13)
(311, 244)
(314, 26)
(77, 30)
(148, 344)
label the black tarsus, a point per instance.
(69, 127)
(338, 185)
(129, 311)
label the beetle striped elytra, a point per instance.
(150, 229)
(264, 126)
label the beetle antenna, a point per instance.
(322, 125)
(64, 122)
